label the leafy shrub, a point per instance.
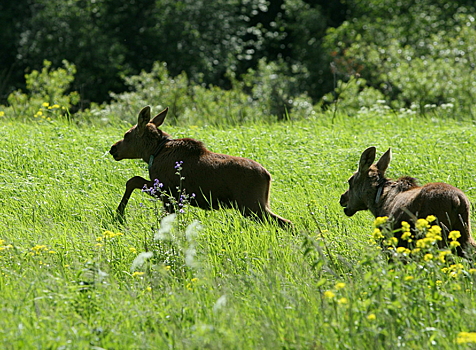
(420, 55)
(276, 90)
(270, 97)
(354, 95)
(47, 96)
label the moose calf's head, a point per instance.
(139, 139)
(366, 184)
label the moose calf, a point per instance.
(217, 180)
(404, 200)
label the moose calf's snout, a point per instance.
(343, 200)
(113, 152)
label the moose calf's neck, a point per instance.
(387, 191)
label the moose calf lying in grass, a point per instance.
(404, 200)
(217, 180)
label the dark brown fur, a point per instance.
(217, 180)
(405, 200)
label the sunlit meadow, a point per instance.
(73, 277)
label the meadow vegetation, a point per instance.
(302, 87)
(73, 277)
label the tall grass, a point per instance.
(73, 277)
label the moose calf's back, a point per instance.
(448, 203)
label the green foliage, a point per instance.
(47, 95)
(107, 40)
(270, 98)
(276, 91)
(67, 264)
(353, 96)
(418, 54)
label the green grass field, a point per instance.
(72, 277)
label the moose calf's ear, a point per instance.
(366, 159)
(384, 160)
(159, 118)
(144, 117)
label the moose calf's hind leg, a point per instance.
(131, 185)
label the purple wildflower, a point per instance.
(156, 187)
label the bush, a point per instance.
(47, 96)
(419, 56)
(269, 98)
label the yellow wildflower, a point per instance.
(406, 236)
(377, 234)
(428, 257)
(392, 241)
(340, 285)
(45, 104)
(431, 218)
(137, 273)
(148, 289)
(421, 224)
(195, 279)
(343, 301)
(434, 232)
(472, 271)
(133, 250)
(109, 234)
(416, 251)
(380, 221)
(403, 250)
(454, 244)
(329, 294)
(2, 113)
(405, 226)
(442, 255)
(466, 337)
(421, 243)
(371, 317)
(408, 278)
(37, 249)
(454, 235)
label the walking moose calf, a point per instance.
(217, 180)
(404, 200)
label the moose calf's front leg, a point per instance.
(131, 185)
